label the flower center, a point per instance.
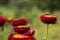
(9, 19)
(20, 36)
(48, 16)
(21, 26)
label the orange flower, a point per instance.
(9, 19)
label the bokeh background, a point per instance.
(31, 10)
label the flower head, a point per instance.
(2, 20)
(18, 22)
(21, 29)
(20, 37)
(9, 19)
(48, 18)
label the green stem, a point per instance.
(2, 28)
(47, 32)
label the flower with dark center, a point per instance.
(48, 19)
(18, 22)
(21, 29)
(20, 37)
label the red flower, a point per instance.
(21, 29)
(2, 20)
(48, 18)
(20, 21)
(20, 37)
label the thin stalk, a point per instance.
(47, 32)
(2, 28)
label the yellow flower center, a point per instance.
(9, 18)
(21, 26)
(18, 36)
(48, 16)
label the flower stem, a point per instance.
(47, 32)
(2, 28)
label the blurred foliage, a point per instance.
(50, 5)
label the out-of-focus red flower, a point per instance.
(48, 18)
(20, 37)
(21, 29)
(20, 21)
(2, 20)
(9, 19)
(30, 32)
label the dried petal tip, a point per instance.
(30, 32)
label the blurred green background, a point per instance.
(31, 10)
